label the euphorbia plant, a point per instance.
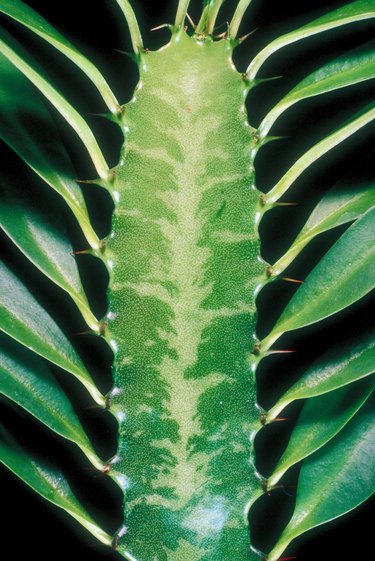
(184, 262)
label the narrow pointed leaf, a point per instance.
(48, 482)
(317, 151)
(182, 9)
(321, 419)
(73, 118)
(213, 12)
(22, 111)
(344, 203)
(350, 13)
(132, 22)
(340, 366)
(352, 68)
(26, 321)
(25, 15)
(26, 380)
(334, 480)
(237, 18)
(41, 236)
(345, 274)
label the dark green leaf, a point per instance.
(321, 419)
(26, 321)
(334, 480)
(26, 380)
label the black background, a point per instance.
(30, 528)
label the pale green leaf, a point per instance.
(320, 149)
(182, 9)
(41, 236)
(341, 204)
(341, 365)
(345, 274)
(48, 482)
(335, 480)
(349, 13)
(24, 64)
(22, 112)
(25, 15)
(352, 68)
(26, 380)
(132, 22)
(321, 419)
(25, 320)
(237, 18)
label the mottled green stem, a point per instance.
(182, 323)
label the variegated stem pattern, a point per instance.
(185, 267)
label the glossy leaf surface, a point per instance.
(321, 419)
(26, 380)
(341, 365)
(320, 149)
(45, 152)
(344, 203)
(24, 63)
(41, 236)
(24, 319)
(345, 274)
(349, 13)
(335, 479)
(25, 15)
(47, 481)
(354, 67)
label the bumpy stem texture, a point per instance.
(185, 267)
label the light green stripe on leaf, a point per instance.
(334, 480)
(72, 116)
(341, 365)
(212, 14)
(345, 274)
(319, 150)
(41, 236)
(350, 13)
(352, 68)
(25, 320)
(343, 203)
(48, 482)
(182, 9)
(22, 110)
(321, 419)
(26, 380)
(25, 15)
(237, 18)
(132, 22)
